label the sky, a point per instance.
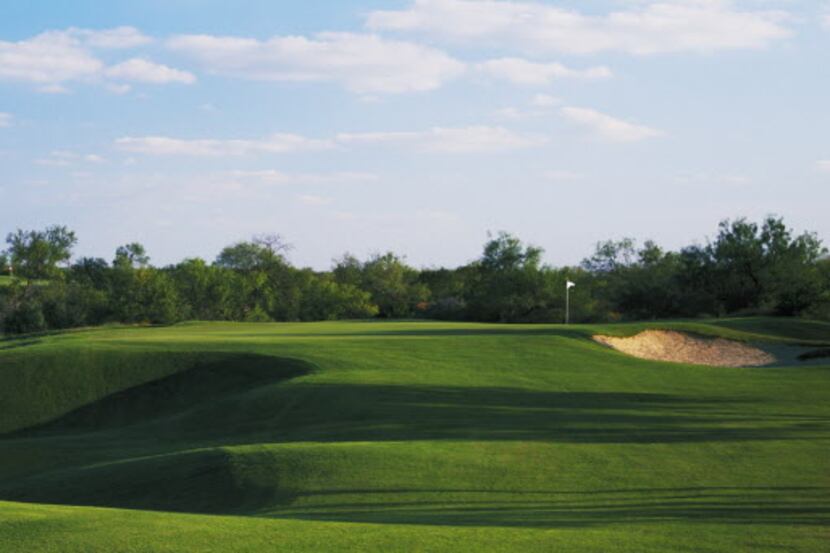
(416, 126)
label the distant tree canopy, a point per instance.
(393, 286)
(746, 268)
(131, 255)
(36, 254)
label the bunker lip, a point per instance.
(681, 347)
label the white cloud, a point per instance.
(362, 63)
(272, 176)
(545, 101)
(379, 137)
(119, 88)
(5, 119)
(706, 178)
(52, 59)
(823, 165)
(137, 69)
(65, 158)
(472, 139)
(274, 144)
(645, 28)
(310, 199)
(115, 38)
(540, 106)
(524, 72)
(48, 59)
(608, 127)
(478, 139)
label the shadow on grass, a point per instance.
(6, 344)
(212, 407)
(398, 413)
(207, 382)
(215, 405)
(549, 509)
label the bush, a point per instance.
(24, 317)
(257, 315)
(445, 309)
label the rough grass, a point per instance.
(7, 280)
(407, 436)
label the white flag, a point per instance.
(569, 284)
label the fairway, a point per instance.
(402, 436)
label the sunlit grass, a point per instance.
(407, 436)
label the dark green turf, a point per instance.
(408, 436)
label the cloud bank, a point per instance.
(645, 28)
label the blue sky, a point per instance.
(414, 126)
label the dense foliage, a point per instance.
(747, 268)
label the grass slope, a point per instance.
(407, 436)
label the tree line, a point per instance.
(747, 268)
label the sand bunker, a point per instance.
(668, 345)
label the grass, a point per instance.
(7, 280)
(407, 436)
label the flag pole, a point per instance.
(567, 303)
(568, 286)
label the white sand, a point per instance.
(668, 345)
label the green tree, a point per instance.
(141, 293)
(635, 283)
(764, 267)
(392, 284)
(611, 255)
(131, 255)
(205, 291)
(348, 270)
(23, 316)
(267, 283)
(37, 254)
(509, 283)
(326, 299)
(261, 251)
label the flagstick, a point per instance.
(567, 303)
(568, 286)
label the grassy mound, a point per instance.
(201, 380)
(401, 436)
(114, 385)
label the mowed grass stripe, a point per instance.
(400, 436)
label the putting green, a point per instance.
(409, 436)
